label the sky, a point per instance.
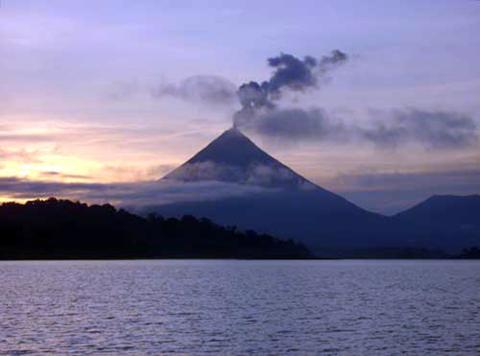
(118, 93)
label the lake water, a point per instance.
(240, 307)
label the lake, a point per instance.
(239, 307)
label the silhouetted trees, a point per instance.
(47, 229)
(470, 253)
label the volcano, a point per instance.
(234, 158)
(284, 203)
(275, 199)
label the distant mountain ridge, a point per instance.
(441, 209)
(445, 221)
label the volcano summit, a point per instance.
(232, 157)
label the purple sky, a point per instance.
(80, 80)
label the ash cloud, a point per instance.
(430, 129)
(290, 74)
(298, 124)
(433, 129)
(260, 113)
(202, 88)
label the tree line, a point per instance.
(62, 229)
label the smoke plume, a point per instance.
(290, 74)
(259, 112)
(432, 129)
(201, 88)
(387, 129)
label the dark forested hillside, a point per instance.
(52, 228)
(448, 222)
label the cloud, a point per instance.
(453, 179)
(254, 174)
(386, 193)
(125, 194)
(55, 174)
(201, 88)
(433, 129)
(297, 124)
(260, 113)
(27, 137)
(23, 155)
(290, 74)
(18, 188)
(430, 129)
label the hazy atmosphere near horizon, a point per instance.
(100, 99)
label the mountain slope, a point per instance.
(312, 217)
(444, 221)
(289, 205)
(233, 157)
(444, 209)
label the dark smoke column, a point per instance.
(290, 74)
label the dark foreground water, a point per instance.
(240, 307)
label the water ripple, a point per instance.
(240, 307)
